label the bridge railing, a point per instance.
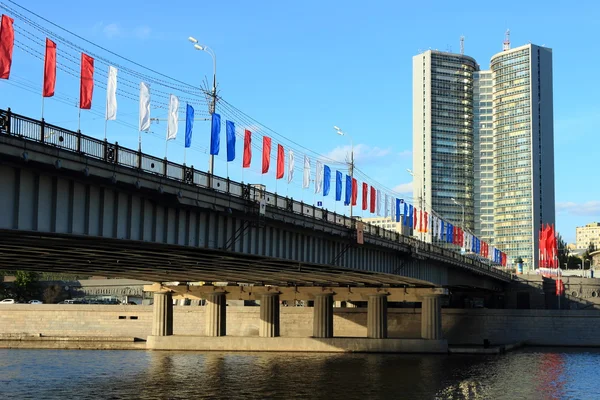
(52, 135)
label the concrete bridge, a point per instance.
(77, 204)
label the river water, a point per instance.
(96, 374)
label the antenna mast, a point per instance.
(462, 45)
(506, 45)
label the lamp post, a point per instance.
(342, 133)
(463, 211)
(420, 195)
(211, 110)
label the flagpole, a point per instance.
(166, 147)
(42, 105)
(105, 125)
(79, 120)
(184, 154)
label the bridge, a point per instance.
(76, 204)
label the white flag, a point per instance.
(173, 118)
(393, 209)
(319, 177)
(144, 107)
(440, 231)
(306, 180)
(290, 166)
(386, 210)
(111, 94)
(378, 198)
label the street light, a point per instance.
(213, 95)
(463, 211)
(342, 133)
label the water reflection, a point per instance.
(530, 374)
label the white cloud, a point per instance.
(362, 153)
(112, 31)
(590, 208)
(142, 32)
(404, 188)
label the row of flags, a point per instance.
(548, 247)
(373, 200)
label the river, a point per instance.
(533, 373)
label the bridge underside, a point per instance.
(85, 255)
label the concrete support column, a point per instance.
(323, 316)
(431, 318)
(377, 316)
(162, 323)
(269, 315)
(216, 312)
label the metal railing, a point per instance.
(30, 129)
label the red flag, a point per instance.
(426, 220)
(354, 191)
(374, 199)
(266, 154)
(7, 42)
(247, 149)
(49, 69)
(560, 287)
(421, 221)
(415, 219)
(365, 193)
(280, 162)
(86, 86)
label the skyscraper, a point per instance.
(523, 149)
(443, 135)
(483, 144)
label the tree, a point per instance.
(26, 285)
(54, 294)
(588, 253)
(563, 251)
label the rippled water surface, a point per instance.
(81, 374)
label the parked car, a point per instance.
(35, 302)
(8, 301)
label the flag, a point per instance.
(86, 83)
(354, 191)
(230, 133)
(50, 76)
(266, 154)
(373, 198)
(386, 206)
(441, 231)
(291, 164)
(338, 186)
(247, 149)
(415, 219)
(405, 214)
(365, 190)
(189, 124)
(215, 134)
(326, 180)
(393, 208)
(410, 215)
(306, 172)
(398, 210)
(7, 42)
(173, 118)
(319, 177)
(348, 198)
(378, 202)
(144, 107)
(280, 162)
(426, 220)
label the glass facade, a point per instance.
(513, 162)
(451, 149)
(484, 156)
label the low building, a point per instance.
(588, 234)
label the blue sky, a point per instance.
(302, 67)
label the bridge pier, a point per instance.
(162, 324)
(431, 318)
(377, 316)
(216, 313)
(323, 315)
(269, 315)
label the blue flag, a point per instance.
(410, 216)
(189, 124)
(215, 134)
(230, 129)
(348, 190)
(326, 180)
(338, 186)
(405, 214)
(450, 233)
(442, 232)
(398, 203)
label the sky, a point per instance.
(299, 68)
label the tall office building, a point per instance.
(523, 149)
(483, 142)
(443, 135)
(484, 157)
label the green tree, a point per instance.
(563, 251)
(54, 294)
(587, 255)
(26, 285)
